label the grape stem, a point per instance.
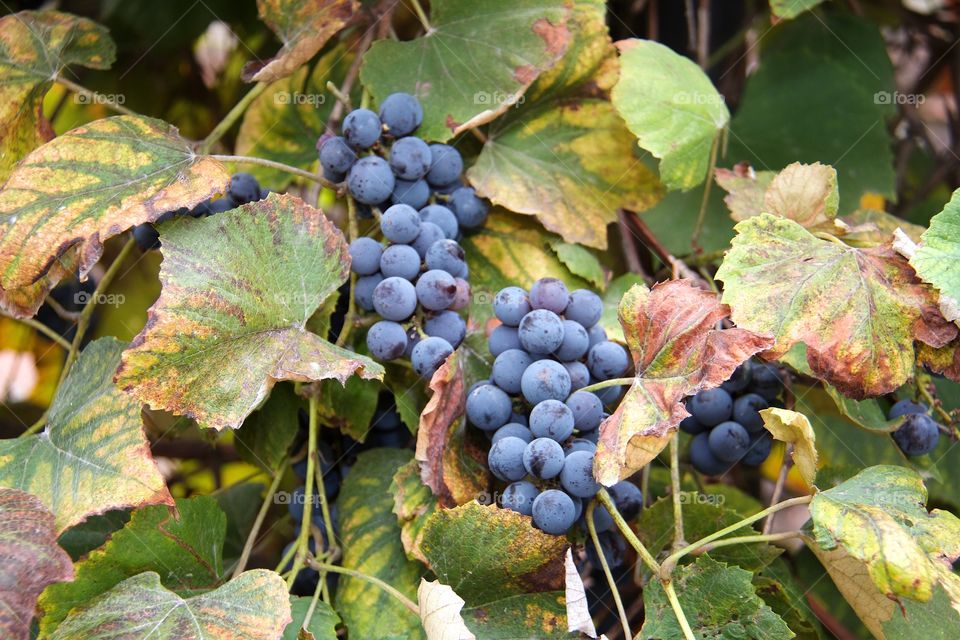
(702, 215)
(351, 318)
(627, 532)
(924, 383)
(678, 610)
(592, 528)
(613, 382)
(45, 330)
(341, 97)
(332, 568)
(302, 546)
(274, 165)
(313, 602)
(778, 487)
(678, 540)
(228, 120)
(261, 516)
(760, 537)
(92, 97)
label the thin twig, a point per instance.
(778, 487)
(592, 528)
(629, 248)
(303, 539)
(708, 183)
(765, 537)
(332, 568)
(69, 316)
(274, 165)
(228, 120)
(612, 382)
(678, 540)
(678, 610)
(351, 317)
(257, 523)
(45, 330)
(93, 97)
(627, 532)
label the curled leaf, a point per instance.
(578, 611)
(440, 612)
(794, 428)
(804, 193)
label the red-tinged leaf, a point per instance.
(677, 351)
(804, 193)
(29, 560)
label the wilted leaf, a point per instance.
(29, 560)
(23, 302)
(938, 257)
(323, 623)
(857, 310)
(35, 46)
(669, 103)
(746, 189)
(92, 183)
(578, 610)
(252, 606)
(467, 71)
(186, 552)
(413, 503)
(230, 319)
(93, 456)
(794, 428)
(303, 26)
(440, 612)
(944, 360)
(677, 351)
(267, 433)
(804, 193)
(509, 574)
(719, 602)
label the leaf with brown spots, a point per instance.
(35, 46)
(859, 311)
(23, 302)
(510, 575)
(677, 351)
(231, 316)
(804, 193)
(303, 26)
(29, 560)
(92, 183)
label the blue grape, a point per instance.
(401, 114)
(766, 380)
(447, 255)
(628, 498)
(414, 193)
(503, 338)
(545, 380)
(413, 339)
(429, 354)
(447, 325)
(739, 381)
(692, 426)
(361, 128)
(400, 260)
(488, 408)
(387, 340)
(593, 436)
(518, 418)
(575, 342)
(746, 411)
(609, 395)
(146, 236)
(578, 506)
(519, 497)
(436, 290)
(477, 385)
(470, 210)
(581, 444)
(918, 435)
(729, 441)
(363, 291)
(243, 189)
(443, 218)
(760, 446)
(336, 156)
(576, 478)
(462, 299)
(702, 458)
(543, 458)
(906, 407)
(551, 419)
(585, 307)
(395, 299)
(711, 406)
(219, 205)
(365, 256)
(550, 294)
(447, 189)
(607, 360)
(410, 158)
(554, 512)
(429, 233)
(510, 305)
(541, 331)
(446, 165)
(370, 180)
(579, 374)
(513, 429)
(508, 368)
(337, 178)
(505, 459)
(597, 334)
(612, 546)
(400, 223)
(587, 410)
(602, 520)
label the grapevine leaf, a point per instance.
(581, 262)
(93, 455)
(252, 606)
(81, 539)
(510, 575)
(788, 9)
(943, 360)
(672, 108)
(233, 313)
(937, 257)
(866, 414)
(186, 552)
(323, 623)
(370, 538)
(35, 46)
(451, 464)
(349, 407)
(804, 193)
(677, 351)
(578, 609)
(92, 183)
(413, 503)
(783, 594)
(29, 560)
(719, 602)
(466, 71)
(794, 428)
(267, 433)
(857, 310)
(745, 189)
(610, 320)
(440, 612)
(303, 26)
(23, 302)
(869, 227)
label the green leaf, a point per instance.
(785, 596)
(35, 48)
(866, 414)
(240, 502)
(837, 64)
(669, 103)
(937, 257)
(413, 503)
(788, 9)
(370, 538)
(581, 262)
(92, 183)
(510, 575)
(349, 407)
(81, 539)
(267, 433)
(230, 319)
(29, 560)
(252, 606)
(618, 287)
(718, 601)
(323, 623)
(857, 310)
(467, 71)
(93, 455)
(186, 552)
(303, 26)
(672, 219)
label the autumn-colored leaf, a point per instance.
(23, 302)
(804, 193)
(29, 560)
(677, 351)
(745, 189)
(794, 428)
(413, 503)
(230, 319)
(303, 26)
(578, 609)
(859, 311)
(93, 455)
(440, 612)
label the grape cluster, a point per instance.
(919, 433)
(543, 429)
(725, 422)
(243, 188)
